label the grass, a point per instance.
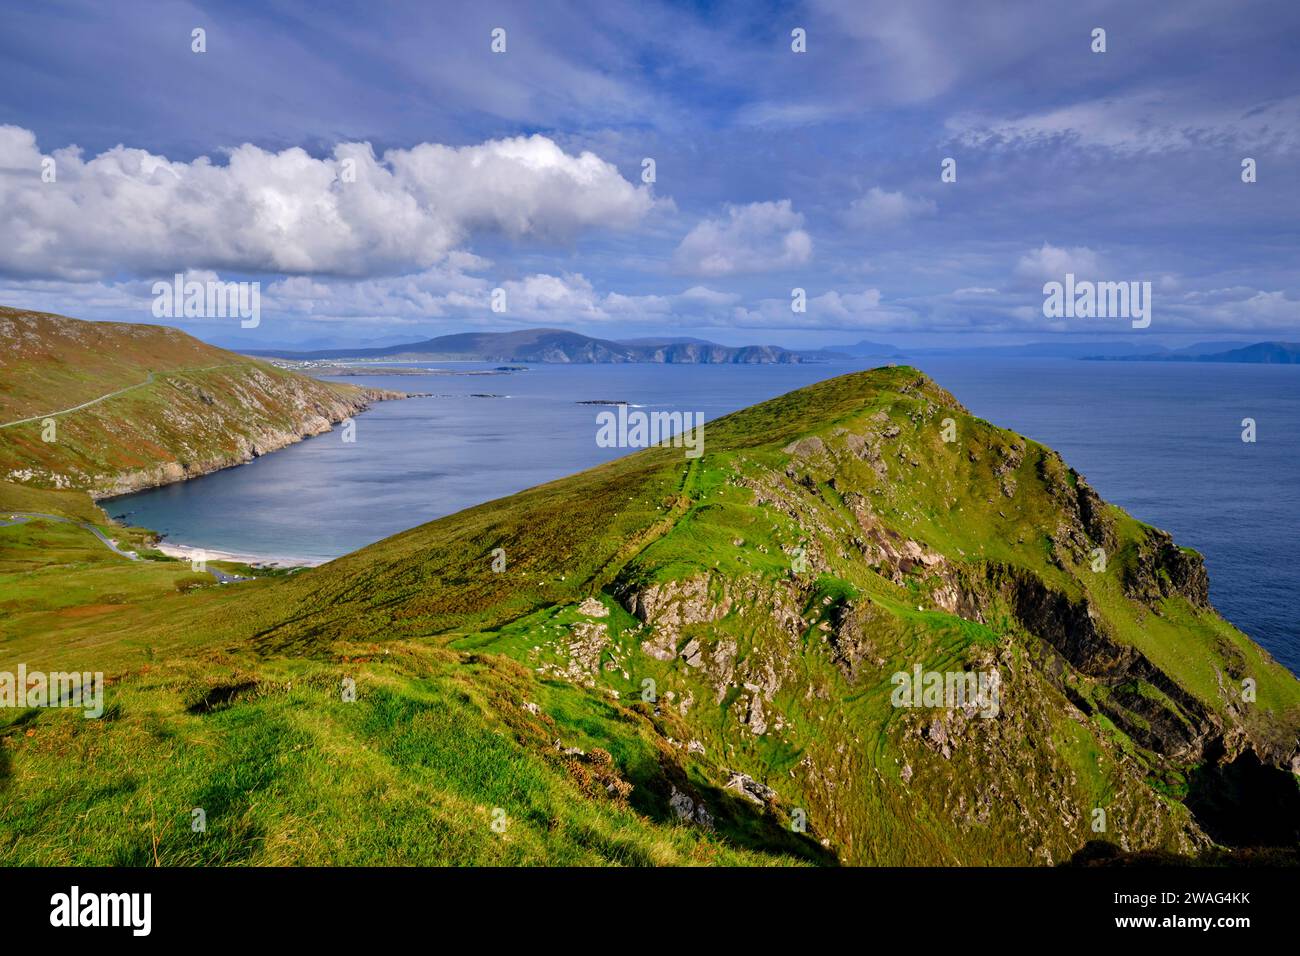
(288, 772)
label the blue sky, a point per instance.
(523, 170)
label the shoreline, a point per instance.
(173, 472)
(186, 552)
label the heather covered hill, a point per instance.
(135, 406)
(51, 358)
(695, 660)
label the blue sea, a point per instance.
(1163, 440)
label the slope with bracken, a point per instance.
(111, 407)
(708, 646)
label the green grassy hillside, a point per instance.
(682, 661)
(110, 407)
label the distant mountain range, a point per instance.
(865, 349)
(558, 346)
(1261, 353)
(565, 347)
(1113, 351)
(1066, 349)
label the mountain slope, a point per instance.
(133, 406)
(768, 592)
(551, 346)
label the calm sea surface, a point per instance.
(1163, 440)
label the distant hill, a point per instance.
(1066, 348)
(866, 349)
(1130, 350)
(1267, 353)
(134, 406)
(556, 346)
(1261, 353)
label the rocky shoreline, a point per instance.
(248, 448)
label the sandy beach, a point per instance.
(188, 553)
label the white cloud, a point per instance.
(444, 293)
(128, 211)
(829, 310)
(570, 298)
(1050, 262)
(756, 237)
(708, 298)
(443, 290)
(879, 208)
(1239, 308)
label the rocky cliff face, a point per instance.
(308, 419)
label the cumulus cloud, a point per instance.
(752, 238)
(880, 208)
(1049, 262)
(443, 290)
(1237, 308)
(446, 293)
(706, 298)
(543, 299)
(829, 310)
(351, 213)
(546, 296)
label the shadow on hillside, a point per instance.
(1245, 803)
(665, 794)
(1100, 853)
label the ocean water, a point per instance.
(1162, 440)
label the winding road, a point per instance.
(22, 517)
(95, 401)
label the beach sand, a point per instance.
(187, 553)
